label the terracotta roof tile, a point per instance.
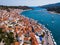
(16, 43)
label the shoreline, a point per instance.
(21, 25)
(52, 12)
(46, 30)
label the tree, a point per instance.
(1, 34)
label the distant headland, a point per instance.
(15, 7)
(52, 7)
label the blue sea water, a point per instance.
(51, 21)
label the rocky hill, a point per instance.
(52, 7)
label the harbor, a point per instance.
(50, 21)
(22, 30)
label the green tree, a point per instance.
(1, 34)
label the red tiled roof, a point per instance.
(16, 43)
(34, 40)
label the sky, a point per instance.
(27, 2)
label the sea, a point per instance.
(50, 20)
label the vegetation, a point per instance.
(42, 42)
(43, 34)
(8, 38)
(1, 34)
(53, 7)
(14, 7)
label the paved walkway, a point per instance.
(49, 40)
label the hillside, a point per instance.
(52, 7)
(15, 7)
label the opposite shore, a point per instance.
(52, 12)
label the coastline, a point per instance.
(23, 22)
(51, 36)
(52, 12)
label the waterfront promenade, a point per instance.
(25, 31)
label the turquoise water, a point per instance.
(51, 21)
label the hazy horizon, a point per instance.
(27, 2)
